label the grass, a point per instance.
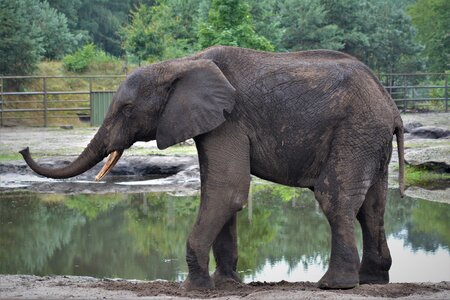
(10, 156)
(419, 176)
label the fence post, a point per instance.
(1, 101)
(404, 96)
(44, 87)
(91, 104)
(446, 92)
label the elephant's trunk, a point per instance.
(91, 155)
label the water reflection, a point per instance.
(284, 236)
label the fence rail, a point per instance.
(418, 92)
(45, 104)
(68, 100)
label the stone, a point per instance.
(410, 126)
(430, 132)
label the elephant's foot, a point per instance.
(332, 280)
(375, 269)
(196, 282)
(373, 277)
(222, 280)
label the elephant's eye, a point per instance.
(127, 110)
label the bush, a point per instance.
(85, 57)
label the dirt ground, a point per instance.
(58, 287)
(57, 142)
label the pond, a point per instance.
(283, 235)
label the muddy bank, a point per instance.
(131, 174)
(56, 287)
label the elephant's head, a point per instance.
(170, 102)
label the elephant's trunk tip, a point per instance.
(25, 152)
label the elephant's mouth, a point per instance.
(113, 158)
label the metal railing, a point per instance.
(418, 92)
(44, 105)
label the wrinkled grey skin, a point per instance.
(315, 119)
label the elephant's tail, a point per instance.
(401, 159)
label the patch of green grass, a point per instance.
(419, 176)
(10, 156)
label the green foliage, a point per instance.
(17, 32)
(97, 21)
(57, 39)
(379, 33)
(230, 23)
(163, 31)
(433, 218)
(419, 176)
(432, 20)
(267, 20)
(100, 20)
(306, 27)
(26, 39)
(140, 38)
(84, 57)
(91, 206)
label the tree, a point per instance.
(57, 39)
(25, 41)
(21, 41)
(70, 9)
(176, 21)
(432, 19)
(230, 23)
(163, 31)
(307, 26)
(140, 39)
(377, 32)
(267, 20)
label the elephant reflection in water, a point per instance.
(314, 119)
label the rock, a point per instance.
(430, 132)
(435, 158)
(410, 126)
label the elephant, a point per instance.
(316, 119)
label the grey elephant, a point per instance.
(313, 119)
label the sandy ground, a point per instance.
(58, 287)
(55, 141)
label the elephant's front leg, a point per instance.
(225, 178)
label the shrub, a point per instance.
(85, 57)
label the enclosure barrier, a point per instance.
(417, 92)
(74, 100)
(55, 100)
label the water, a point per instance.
(283, 235)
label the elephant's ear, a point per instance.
(196, 105)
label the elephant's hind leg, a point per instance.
(340, 191)
(376, 260)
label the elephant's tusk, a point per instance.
(110, 163)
